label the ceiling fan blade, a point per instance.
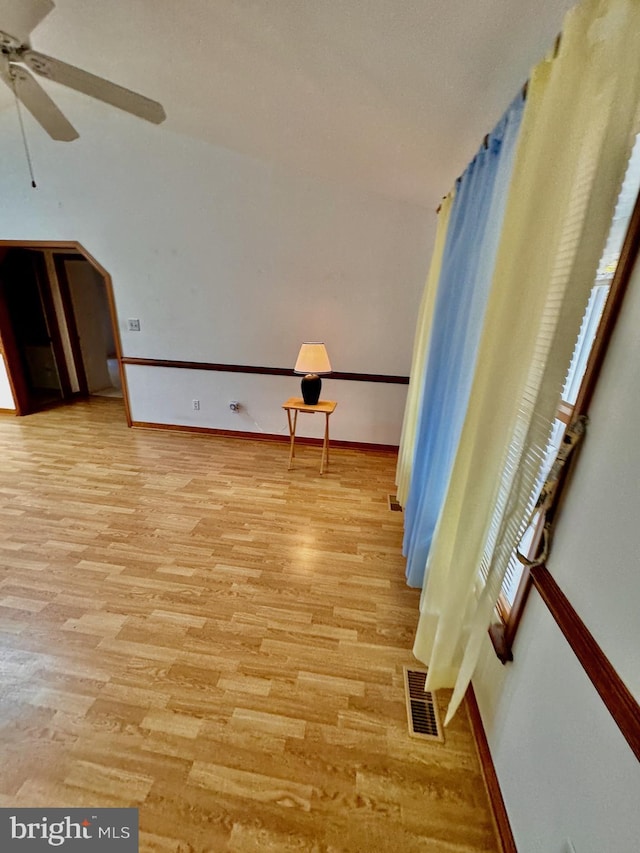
(96, 87)
(19, 19)
(39, 104)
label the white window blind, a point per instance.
(575, 373)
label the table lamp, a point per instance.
(312, 360)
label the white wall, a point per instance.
(372, 406)
(226, 259)
(564, 768)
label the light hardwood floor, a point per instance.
(188, 627)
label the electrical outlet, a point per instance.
(196, 405)
(234, 405)
(133, 325)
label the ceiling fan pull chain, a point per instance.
(24, 135)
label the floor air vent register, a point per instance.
(422, 710)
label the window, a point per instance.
(594, 332)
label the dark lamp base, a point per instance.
(311, 385)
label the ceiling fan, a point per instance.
(17, 20)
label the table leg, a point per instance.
(292, 434)
(325, 445)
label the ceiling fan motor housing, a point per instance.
(9, 43)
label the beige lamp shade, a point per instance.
(313, 358)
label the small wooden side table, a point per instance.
(297, 404)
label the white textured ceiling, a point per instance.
(388, 95)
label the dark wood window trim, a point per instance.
(503, 633)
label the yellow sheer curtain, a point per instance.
(575, 142)
(420, 350)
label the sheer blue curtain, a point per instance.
(467, 267)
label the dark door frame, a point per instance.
(32, 266)
(53, 326)
(70, 317)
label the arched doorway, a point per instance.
(58, 326)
